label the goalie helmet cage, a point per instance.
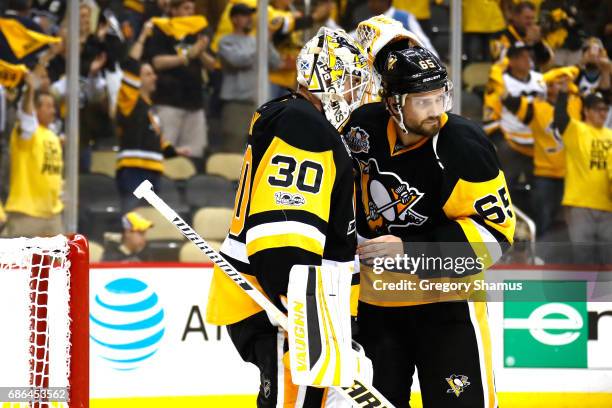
(44, 320)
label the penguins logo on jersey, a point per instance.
(458, 384)
(358, 140)
(388, 200)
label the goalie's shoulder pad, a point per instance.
(295, 121)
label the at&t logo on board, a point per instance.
(126, 323)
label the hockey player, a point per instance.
(294, 205)
(426, 176)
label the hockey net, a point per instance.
(44, 344)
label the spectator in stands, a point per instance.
(519, 80)
(34, 206)
(238, 54)
(156, 8)
(523, 28)
(133, 240)
(421, 9)
(141, 145)
(548, 154)
(94, 115)
(603, 26)
(562, 29)
(588, 146)
(286, 24)
(178, 54)
(482, 19)
(593, 65)
(49, 14)
(407, 19)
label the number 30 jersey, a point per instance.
(294, 205)
(447, 188)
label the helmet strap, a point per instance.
(396, 111)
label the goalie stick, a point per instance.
(360, 395)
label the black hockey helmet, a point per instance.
(412, 70)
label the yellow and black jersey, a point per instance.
(448, 188)
(519, 135)
(140, 141)
(548, 152)
(294, 205)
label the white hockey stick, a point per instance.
(360, 395)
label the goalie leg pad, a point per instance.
(319, 330)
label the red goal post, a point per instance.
(44, 320)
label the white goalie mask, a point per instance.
(334, 68)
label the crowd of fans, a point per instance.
(158, 79)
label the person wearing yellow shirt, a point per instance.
(34, 205)
(588, 146)
(481, 20)
(421, 9)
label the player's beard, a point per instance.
(428, 127)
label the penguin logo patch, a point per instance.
(458, 384)
(388, 201)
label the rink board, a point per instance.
(195, 364)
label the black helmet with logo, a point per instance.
(411, 70)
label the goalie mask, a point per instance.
(414, 77)
(334, 68)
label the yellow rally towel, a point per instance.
(22, 41)
(180, 27)
(11, 74)
(556, 73)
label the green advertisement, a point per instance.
(546, 325)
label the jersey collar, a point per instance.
(392, 137)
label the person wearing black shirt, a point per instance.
(177, 51)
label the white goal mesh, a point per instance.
(35, 321)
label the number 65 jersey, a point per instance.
(446, 188)
(294, 205)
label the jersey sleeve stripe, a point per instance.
(284, 228)
(283, 241)
(483, 243)
(131, 80)
(498, 232)
(299, 216)
(235, 249)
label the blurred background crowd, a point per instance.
(167, 89)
